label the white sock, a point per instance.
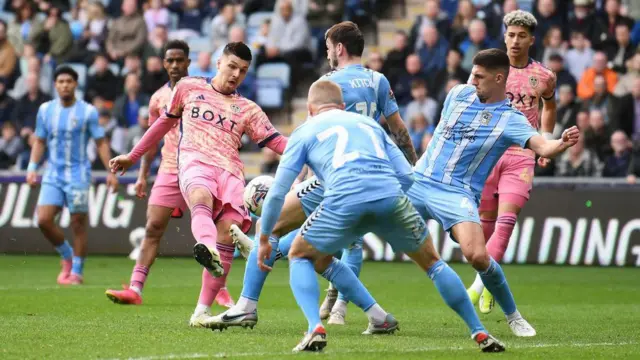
(376, 314)
(202, 309)
(478, 285)
(515, 316)
(340, 306)
(246, 305)
(136, 289)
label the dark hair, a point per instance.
(349, 35)
(177, 45)
(401, 32)
(492, 60)
(65, 69)
(418, 83)
(556, 57)
(238, 49)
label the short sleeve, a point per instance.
(295, 154)
(259, 128)
(550, 87)
(519, 131)
(41, 126)
(95, 130)
(386, 98)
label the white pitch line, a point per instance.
(347, 351)
(81, 287)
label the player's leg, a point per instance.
(50, 202)
(352, 256)
(77, 201)
(471, 239)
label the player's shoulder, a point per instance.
(192, 81)
(45, 105)
(511, 111)
(161, 92)
(462, 91)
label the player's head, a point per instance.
(233, 66)
(176, 60)
(489, 74)
(324, 95)
(518, 36)
(66, 81)
(344, 41)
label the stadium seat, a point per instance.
(279, 71)
(199, 44)
(256, 19)
(81, 69)
(173, 21)
(271, 85)
(206, 27)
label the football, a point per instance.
(255, 192)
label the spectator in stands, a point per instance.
(155, 76)
(10, 145)
(553, 44)
(608, 22)
(223, 22)
(322, 14)
(580, 56)
(563, 77)
(156, 15)
(260, 39)
(421, 103)
(548, 16)
(132, 64)
(191, 15)
(202, 67)
(288, 41)
(418, 127)
(33, 67)
(433, 52)
(7, 104)
(617, 164)
(424, 143)
(158, 38)
(52, 37)
(583, 20)
(494, 13)
(128, 33)
(127, 105)
(578, 161)
(586, 83)
(625, 83)
(567, 110)
(442, 95)
(601, 99)
(134, 133)
(451, 71)
(252, 6)
(462, 20)
(621, 50)
(103, 83)
(8, 57)
(93, 40)
(19, 27)
(374, 61)
(62, 5)
(598, 134)
(270, 161)
(402, 87)
(432, 17)
(26, 108)
(476, 41)
(397, 57)
(626, 114)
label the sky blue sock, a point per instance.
(352, 257)
(77, 265)
(304, 285)
(65, 250)
(495, 281)
(348, 283)
(254, 278)
(453, 292)
(285, 243)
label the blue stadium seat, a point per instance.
(279, 71)
(81, 69)
(256, 19)
(199, 44)
(272, 83)
(206, 27)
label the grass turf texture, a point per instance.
(579, 313)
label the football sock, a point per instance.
(304, 285)
(495, 281)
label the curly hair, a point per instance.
(521, 18)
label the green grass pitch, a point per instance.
(579, 313)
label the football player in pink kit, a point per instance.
(166, 197)
(507, 188)
(212, 118)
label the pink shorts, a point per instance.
(512, 174)
(166, 192)
(226, 191)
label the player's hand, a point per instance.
(112, 182)
(120, 163)
(141, 187)
(32, 178)
(264, 253)
(571, 136)
(631, 179)
(543, 162)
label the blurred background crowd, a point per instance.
(424, 47)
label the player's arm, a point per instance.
(552, 148)
(103, 147)
(404, 171)
(38, 147)
(549, 109)
(147, 159)
(389, 108)
(262, 132)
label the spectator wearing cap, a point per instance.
(7, 104)
(432, 16)
(452, 70)
(10, 145)
(625, 84)
(626, 113)
(127, 105)
(103, 83)
(617, 164)
(608, 22)
(580, 56)
(586, 83)
(222, 24)
(433, 51)
(402, 87)
(26, 108)
(474, 43)
(8, 57)
(563, 77)
(52, 37)
(621, 50)
(397, 57)
(128, 33)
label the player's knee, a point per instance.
(479, 260)
(154, 229)
(224, 237)
(45, 222)
(200, 196)
(488, 215)
(321, 264)
(77, 223)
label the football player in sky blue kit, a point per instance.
(365, 177)
(63, 127)
(477, 126)
(365, 92)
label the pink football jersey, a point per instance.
(213, 124)
(157, 107)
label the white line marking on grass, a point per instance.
(80, 287)
(354, 351)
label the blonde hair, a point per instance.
(521, 18)
(324, 92)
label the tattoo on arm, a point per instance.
(403, 140)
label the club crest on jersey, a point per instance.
(485, 117)
(533, 81)
(235, 108)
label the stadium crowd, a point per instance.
(116, 46)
